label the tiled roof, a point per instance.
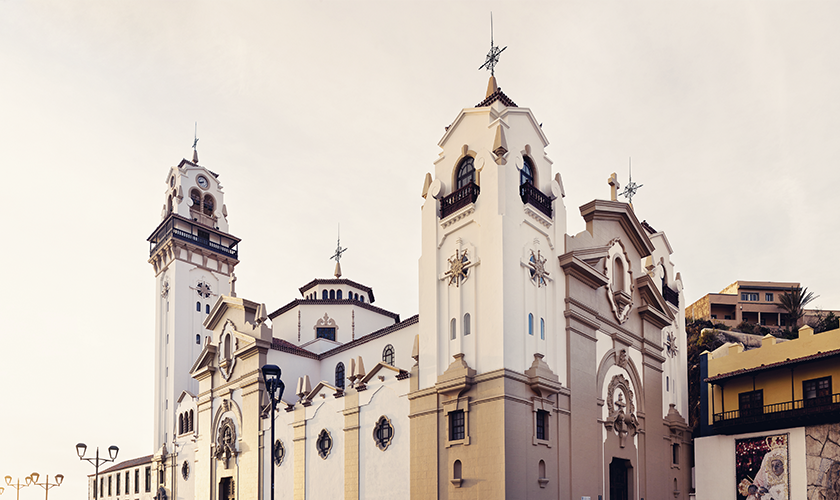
(134, 462)
(498, 95)
(742, 371)
(364, 305)
(337, 281)
(284, 346)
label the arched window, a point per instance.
(198, 339)
(338, 294)
(618, 274)
(192, 425)
(325, 295)
(339, 375)
(209, 204)
(466, 172)
(356, 296)
(198, 306)
(206, 308)
(181, 423)
(388, 354)
(530, 324)
(195, 196)
(542, 329)
(542, 469)
(169, 204)
(227, 347)
(466, 324)
(362, 298)
(324, 444)
(332, 294)
(526, 175)
(452, 329)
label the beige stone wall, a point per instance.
(822, 459)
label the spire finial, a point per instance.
(337, 255)
(493, 56)
(631, 187)
(195, 144)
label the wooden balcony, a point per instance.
(533, 196)
(813, 411)
(459, 199)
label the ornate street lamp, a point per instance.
(275, 388)
(18, 486)
(59, 478)
(96, 462)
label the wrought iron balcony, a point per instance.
(671, 295)
(796, 413)
(179, 228)
(459, 199)
(531, 195)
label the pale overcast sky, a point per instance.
(328, 112)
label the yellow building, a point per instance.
(770, 418)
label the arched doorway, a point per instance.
(620, 479)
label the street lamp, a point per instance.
(273, 384)
(17, 485)
(96, 461)
(59, 478)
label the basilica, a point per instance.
(542, 365)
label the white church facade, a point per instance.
(541, 364)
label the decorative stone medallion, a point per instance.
(185, 470)
(226, 441)
(671, 344)
(459, 266)
(164, 289)
(536, 266)
(622, 413)
(203, 289)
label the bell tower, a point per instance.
(193, 257)
(493, 225)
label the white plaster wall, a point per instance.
(351, 321)
(385, 474)
(292, 367)
(714, 464)
(284, 479)
(325, 477)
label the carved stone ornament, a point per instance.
(228, 343)
(185, 470)
(620, 286)
(203, 289)
(459, 266)
(164, 289)
(671, 346)
(325, 321)
(622, 359)
(225, 442)
(622, 413)
(536, 265)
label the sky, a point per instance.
(326, 113)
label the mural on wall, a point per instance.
(822, 457)
(761, 468)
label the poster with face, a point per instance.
(761, 468)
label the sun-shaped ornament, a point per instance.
(203, 289)
(458, 268)
(671, 344)
(536, 266)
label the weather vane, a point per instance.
(337, 255)
(631, 187)
(195, 141)
(492, 56)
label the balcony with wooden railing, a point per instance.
(796, 413)
(532, 196)
(459, 199)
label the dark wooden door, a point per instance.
(619, 484)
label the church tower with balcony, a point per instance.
(193, 256)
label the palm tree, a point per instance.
(794, 302)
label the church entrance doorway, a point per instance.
(620, 479)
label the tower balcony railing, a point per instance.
(534, 197)
(777, 415)
(459, 199)
(180, 228)
(671, 295)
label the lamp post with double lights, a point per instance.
(18, 486)
(275, 387)
(59, 478)
(96, 461)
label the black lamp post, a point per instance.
(96, 461)
(17, 485)
(47, 484)
(275, 388)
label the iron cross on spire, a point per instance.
(195, 144)
(492, 56)
(337, 255)
(631, 187)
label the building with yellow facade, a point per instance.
(769, 424)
